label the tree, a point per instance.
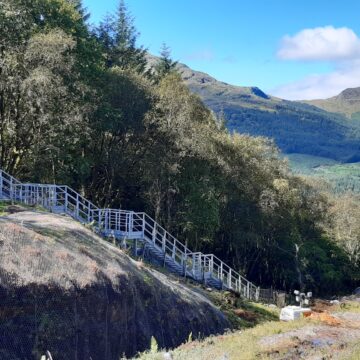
(345, 213)
(42, 93)
(118, 35)
(165, 64)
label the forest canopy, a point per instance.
(80, 105)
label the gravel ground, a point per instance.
(318, 341)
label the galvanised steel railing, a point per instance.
(128, 225)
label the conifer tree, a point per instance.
(165, 64)
(126, 54)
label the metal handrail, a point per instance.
(124, 224)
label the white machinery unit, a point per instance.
(291, 313)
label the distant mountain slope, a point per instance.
(347, 103)
(340, 177)
(296, 127)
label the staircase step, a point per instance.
(123, 225)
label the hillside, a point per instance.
(340, 177)
(346, 103)
(295, 127)
(66, 290)
(330, 332)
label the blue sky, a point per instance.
(296, 50)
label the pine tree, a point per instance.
(126, 54)
(78, 5)
(165, 64)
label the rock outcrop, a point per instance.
(64, 289)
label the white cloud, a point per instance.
(340, 46)
(322, 43)
(346, 75)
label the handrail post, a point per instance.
(11, 190)
(77, 206)
(154, 233)
(100, 221)
(173, 250)
(106, 221)
(184, 264)
(229, 279)
(66, 201)
(55, 196)
(164, 242)
(143, 225)
(248, 290)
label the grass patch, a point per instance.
(352, 352)
(240, 345)
(3, 207)
(349, 306)
(241, 313)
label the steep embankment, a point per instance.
(66, 290)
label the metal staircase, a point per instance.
(144, 234)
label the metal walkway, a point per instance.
(137, 228)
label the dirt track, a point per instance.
(330, 334)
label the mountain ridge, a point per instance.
(347, 103)
(296, 127)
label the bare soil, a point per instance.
(328, 335)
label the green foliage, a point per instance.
(118, 37)
(165, 64)
(340, 177)
(83, 109)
